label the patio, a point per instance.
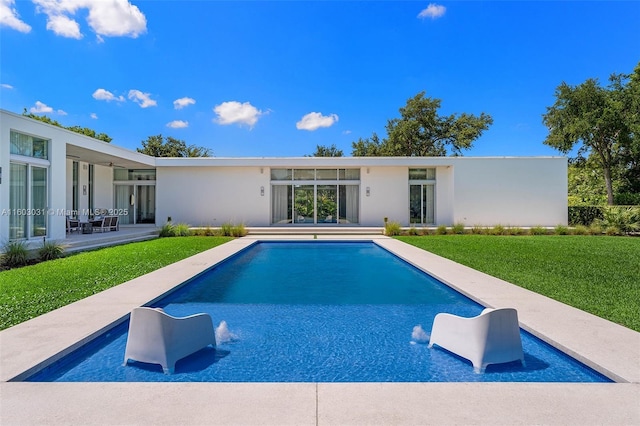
(77, 241)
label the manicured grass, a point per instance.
(34, 290)
(600, 275)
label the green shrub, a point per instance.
(392, 229)
(478, 230)
(538, 230)
(561, 230)
(613, 230)
(497, 230)
(626, 219)
(580, 230)
(627, 199)
(238, 230)
(413, 231)
(167, 230)
(14, 254)
(226, 229)
(595, 229)
(182, 230)
(441, 230)
(458, 228)
(50, 250)
(515, 230)
(584, 215)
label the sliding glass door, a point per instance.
(125, 201)
(422, 204)
(303, 204)
(136, 203)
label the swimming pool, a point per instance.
(316, 312)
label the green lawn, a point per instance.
(600, 275)
(34, 290)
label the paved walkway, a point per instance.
(607, 347)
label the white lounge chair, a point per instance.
(492, 337)
(159, 338)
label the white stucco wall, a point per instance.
(472, 191)
(211, 196)
(510, 191)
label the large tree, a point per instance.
(598, 120)
(157, 146)
(421, 131)
(327, 151)
(82, 130)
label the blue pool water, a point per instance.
(316, 312)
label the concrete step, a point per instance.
(316, 230)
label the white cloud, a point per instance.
(183, 102)
(105, 95)
(178, 124)
(9, 17)
(315, 120)
(432, 11)
(94, 115)
(346, 132)
(64, 26)
(42, 108)
(236, 112)
(142, 99)
(6, 86)
(111, 18)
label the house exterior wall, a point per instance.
(472, 191)
(510, 191)
(212, 196)
(56, 224)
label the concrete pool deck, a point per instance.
(607, 347)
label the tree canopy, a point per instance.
(157, 146)
(82, 130)
(420, 131)
(327, 151)
(602, 122)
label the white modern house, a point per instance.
(48, 173)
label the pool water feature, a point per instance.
(316, 312)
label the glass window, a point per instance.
(18, 201)
(134, 174)
(281, 174)
(349, 174)
(422, 203)
(315, 203)
(303, 204)
(422, 174)
(327, 203)
(281, 207)
(326, 174)
(29, 146)
(304, 174)
(92, 187)
(38, 201)
(348, 202)
(75, 194)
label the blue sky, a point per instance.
(277, 78)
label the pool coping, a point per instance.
(607, 347)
